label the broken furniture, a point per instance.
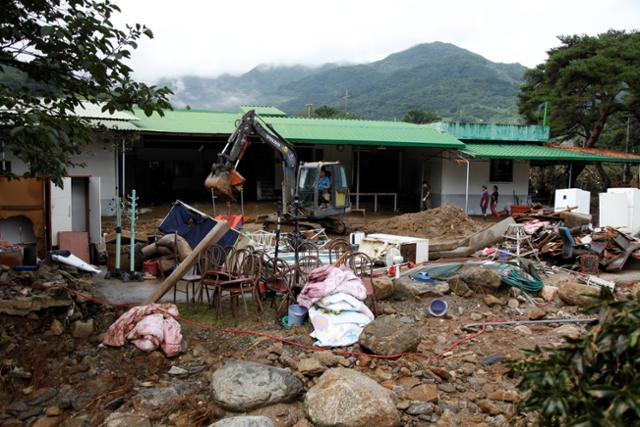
(516, 234)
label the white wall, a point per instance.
(454, 183)
(98, 158)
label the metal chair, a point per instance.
(362, 267)
(246, 281)
(337, 248)
(193, 277)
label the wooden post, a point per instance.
(213, 236)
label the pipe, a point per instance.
(358, 180)
(466, 190)
(529, 322)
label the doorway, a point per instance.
(79, 204)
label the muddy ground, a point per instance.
(52, 373)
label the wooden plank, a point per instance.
(77, 242)
(212, 237)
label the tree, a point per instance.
(328, 112)
(56, 54)
(586, 80)
(420, 116)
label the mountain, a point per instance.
(441, 77)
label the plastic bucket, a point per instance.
(438, 308)
(297, 314)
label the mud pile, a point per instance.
(447, 221)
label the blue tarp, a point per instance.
(193, 225)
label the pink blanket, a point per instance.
(147, 327)
(328, 280)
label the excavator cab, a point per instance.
(323, 190)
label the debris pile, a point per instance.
(445, 221)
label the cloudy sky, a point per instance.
(208, 38)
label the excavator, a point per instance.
(313, 193)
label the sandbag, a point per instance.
(153, 250)
(166, 263)
(171, 241)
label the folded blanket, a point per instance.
(328, 280)
(338, 320)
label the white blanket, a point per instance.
(338, 320)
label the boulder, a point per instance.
(327, 358)
(242, 386)
(570, 331)
(574, 293)
(479, 276)
(387, 335)
(382, 287)
(81, 329)
(244, 421)
(311, 367)
(344, 397)
(422, 393)
(407, 288)
(548, 292)
(491, 300)
(459, 287)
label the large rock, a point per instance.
(574, 293)
(407, 288)
(159, 398)
(242, 386)
(388, 335)
(244, 421)
(383, 287)
(479, 276)
(344, 397)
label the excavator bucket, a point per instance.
(224, 182)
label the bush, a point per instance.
(594, 381)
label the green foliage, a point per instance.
(420, 116)
(328, 112)
(586, 80)
(593, 381)
(54, 55)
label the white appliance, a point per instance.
(573, 197)
(620, 208)
(412, 249)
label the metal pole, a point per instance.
(358, 179)
(124, 187)
(466, 192)
(132, 237)
(570, 174)
(213, 202)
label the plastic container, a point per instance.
(297, 314)
(151, 266)
(438, 308)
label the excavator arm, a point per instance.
(224, 180)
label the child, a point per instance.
(484, 201)
(494, 201)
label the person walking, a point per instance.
(494, 201)
(426, 195)
(484, 201)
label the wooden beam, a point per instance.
(212, 237)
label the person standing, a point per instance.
(494, 201)
(426, 195)
(484, 201)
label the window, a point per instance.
(501, 170)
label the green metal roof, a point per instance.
(304, 130)
(537, 152)
(494, 132)
(263, 110)
(188, 121)
(361, 132)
